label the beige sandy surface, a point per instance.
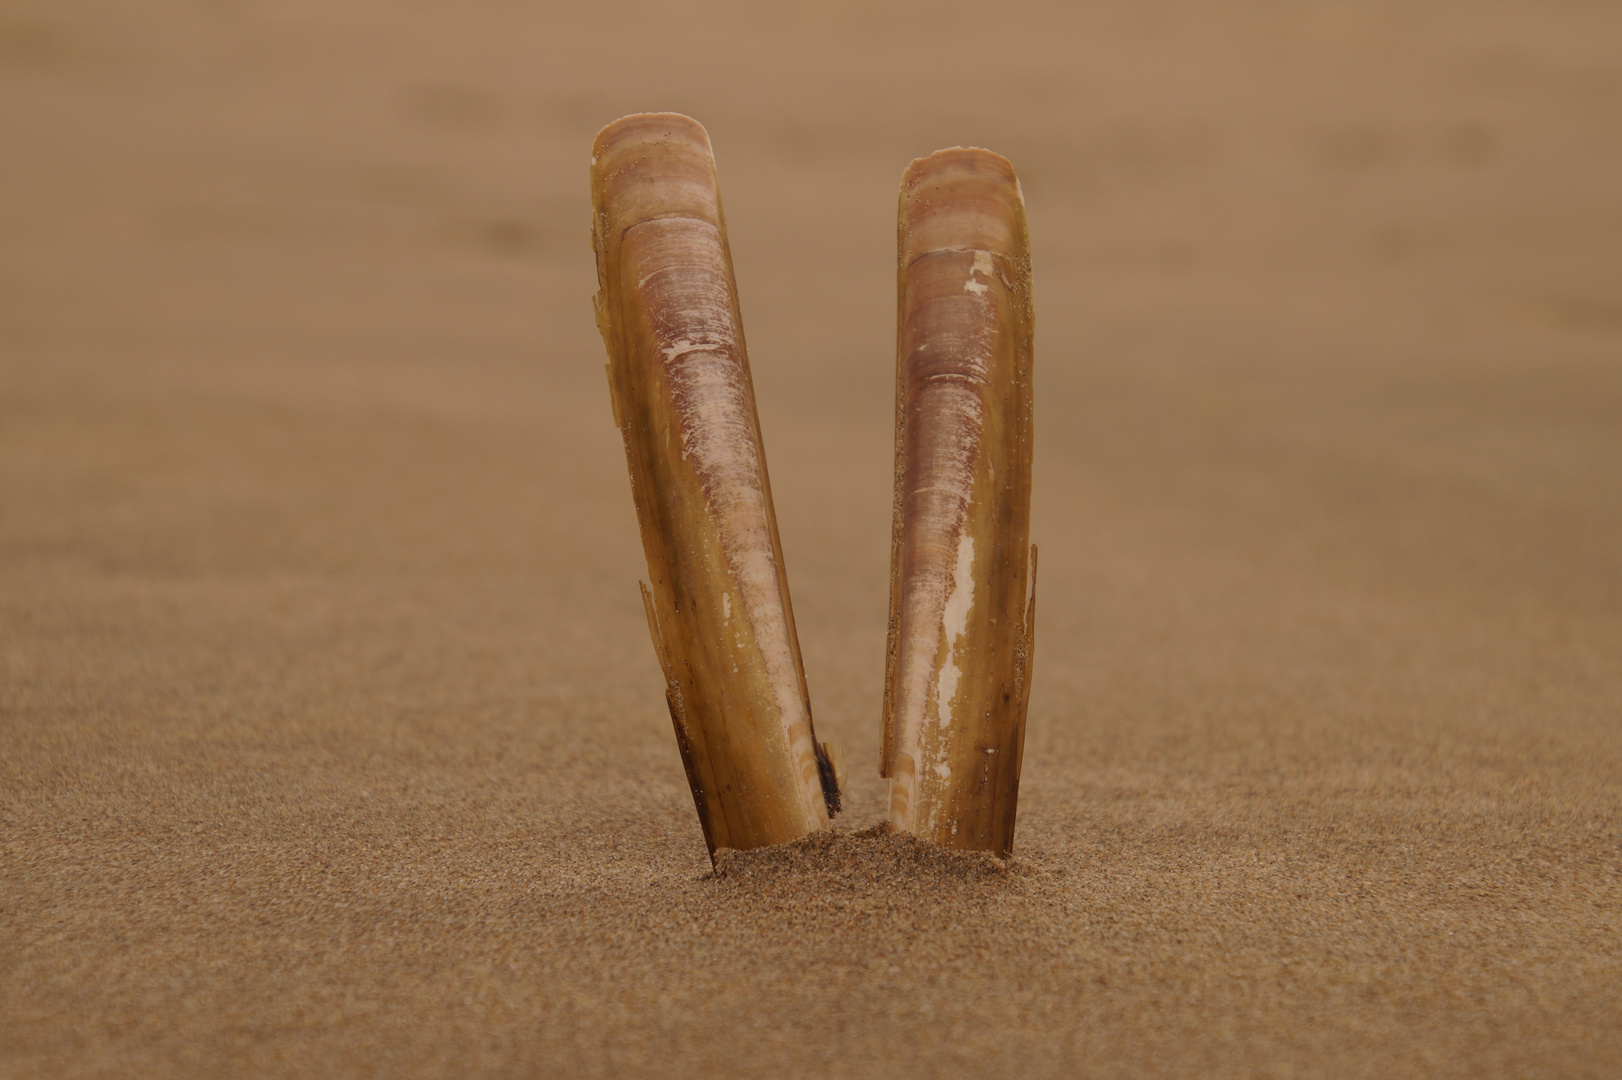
(331, 739)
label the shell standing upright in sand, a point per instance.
(678, 373)
(961, 629)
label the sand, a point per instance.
(331, 738)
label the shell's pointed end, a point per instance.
(961, 198)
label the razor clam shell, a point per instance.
(962, 568)
(718, 603)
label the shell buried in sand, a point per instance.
(718, 602)
(961, 628)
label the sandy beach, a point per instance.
(331, 738)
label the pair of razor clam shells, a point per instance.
(957, 674)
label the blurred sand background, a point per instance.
(331, 739)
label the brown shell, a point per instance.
(718, 605)
(961, 627)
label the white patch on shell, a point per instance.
(954, 621)
(681, 347)
(982, 265)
